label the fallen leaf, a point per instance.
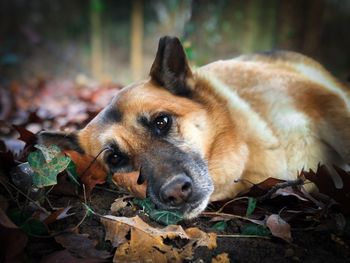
(164, 217)
(81, 245)
(146, 243)
(220, 226)
(118, 204)
(255, 230)
(279, 227)
(25, 135)
(26, 222)
(67, 257)
(59, 214)
(128, 181)
(251, 206)
(12, 240)
(49, 152)
(262, 188)
(289, 191)
(221, 258)
(201, 238)
(90, 171)
(325, 183)
(47, 164)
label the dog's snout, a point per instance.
(177, 191)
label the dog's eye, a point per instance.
(116, 159)
(162, 124)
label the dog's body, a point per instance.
(213, 133)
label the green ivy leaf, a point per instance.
(45, 173)
(29, 225)
(251, 206)
(255, 230)
(166, 217)
(161, 216)
(146, 204)
(49, 152)
(34, 227)
(220, 226)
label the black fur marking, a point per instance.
(170, 68)
(143, 120)
(124, 164)
(111, 114)
(66, 141)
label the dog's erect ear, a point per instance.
(170, 68)
(64, 140)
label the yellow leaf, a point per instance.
(146, 243)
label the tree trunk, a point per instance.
(136, 39)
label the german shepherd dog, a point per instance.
(210, 134)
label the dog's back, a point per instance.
(293, 112)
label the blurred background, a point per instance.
(54, 47)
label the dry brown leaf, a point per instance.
(81, 245)
(12, 240)
(128, 181)
(91, 172)
(118, 204)
(67, 257)
(261, 188)
(146, 243)
(221, 258)
(322, 178)
(203, 239)
(288, 191)
(279, 227)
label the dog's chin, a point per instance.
(196, 209)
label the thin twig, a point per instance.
(84, 192)
(81, 221)
(231, 201)
(9, 192)
(93, 161)
(28, 198)
(299, 181)
(230, 216)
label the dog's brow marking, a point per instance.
(111, 114)
(143, 120)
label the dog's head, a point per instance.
(156, 127)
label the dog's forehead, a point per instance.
(147, 97)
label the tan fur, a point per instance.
(251, 118)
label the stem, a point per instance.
(299, 181)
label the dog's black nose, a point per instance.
(176, 191)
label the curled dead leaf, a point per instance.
(118, 204)
(221, 258)
(91, 172)
(146, 243)
(81, 245)
(128, 181)
(279, 227)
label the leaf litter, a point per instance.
(273, 208)
(148, 243)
